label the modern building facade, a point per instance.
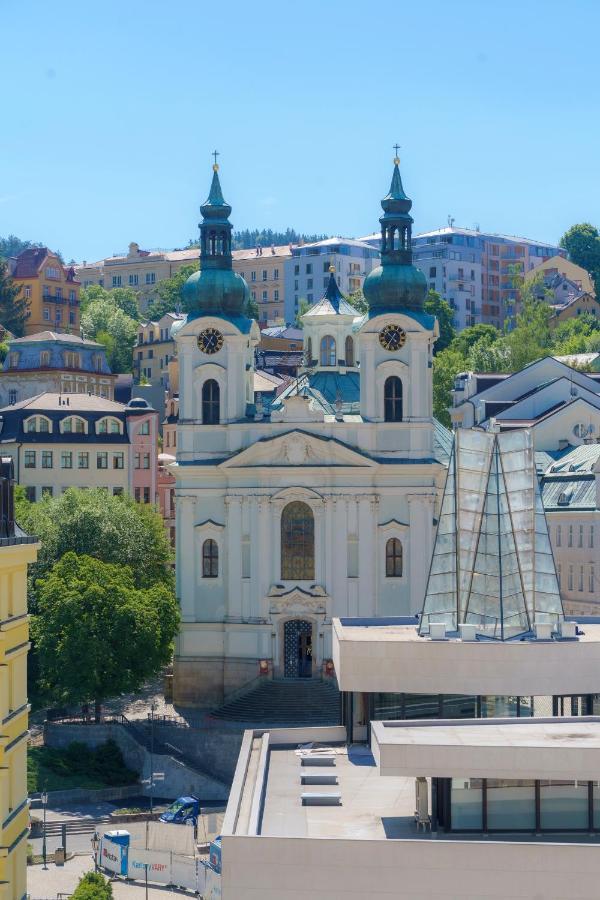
(50, 288)
(155, 349)
(54, 362)
(17, 551)
(263, 269)
(307, 272)
(59, 441)
(318, 504)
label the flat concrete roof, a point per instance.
(495, 748)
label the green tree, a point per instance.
(485, 356)
(127, 300)
(95, 523)
(531, 337)
(358, 300)
(169, 292)
(441, 309)
(96, 634)
(303, 307)
(93, 886)
(105, 322)
(472, 335)
(582, 243)
(446, 365)
(12, 246)
(14, 308)
(252, 308)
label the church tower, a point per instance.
(396, 341)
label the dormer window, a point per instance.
(13, 360)
(564, 498)
(37, 425)
(108, 426)
(72, 360)
(73, 425)
(45, 358)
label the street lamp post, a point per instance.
(95, 844)
(152, 708)
(44, 799)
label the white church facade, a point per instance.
(322, 504)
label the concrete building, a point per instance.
(263, 269)
(571, 495)
(307, 272)
(155, 349)
(139, 269)
(477, 272)
(54, 362)
(50, 288)
(559, 404)
(59, 441)
(283, 338)
(17, 550)
(344, 466)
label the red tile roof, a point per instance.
(29, 262)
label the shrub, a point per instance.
(93, 886)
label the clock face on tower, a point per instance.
(392, 337)
(210, 340)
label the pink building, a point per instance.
(166, 494)
(142, 429)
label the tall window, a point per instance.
(308, 351)
(210, 559)
(349, 351)
(328, 351)
(393, 558)
(392, 396)
(210, 402)
(297, 542)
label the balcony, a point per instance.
(53, 298)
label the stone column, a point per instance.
(265, 562)
(339, 586)
(233, 574)
(330, 562)
(420, 535)
(366, 555)
(186, 550)
(320, 549)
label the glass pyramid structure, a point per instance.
(492, 563)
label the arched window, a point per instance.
(210, 559)
(328, 357)
(392, 397)
(297, 542)
(211, 396)
(349, 351)
(393, 558)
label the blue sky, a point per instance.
(111, 109)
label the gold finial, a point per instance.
(332, 269)
(215, 153)
(396, 158)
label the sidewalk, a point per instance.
(43, 885)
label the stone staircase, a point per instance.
(285, 702)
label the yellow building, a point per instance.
(51, 290)
(263, 270)
(557, 265)
(17, 550)
(575, 306)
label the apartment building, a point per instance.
(307, 272)
(59, 441)
(139, 269)
(17, 551)
(50, 288)
(155, 349)
(54, 362)
(263, 269)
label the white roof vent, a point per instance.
(543, 631)
(568, 629)
(437, 631)
(468, 631)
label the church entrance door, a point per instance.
(298, 649)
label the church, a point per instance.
(320, 504)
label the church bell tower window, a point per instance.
(328, 357)
(210, 559)
(349, 351)
(392, 399)
(393, 558)
(211, 401)
(297, 542)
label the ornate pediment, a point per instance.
(297, 448)
(297, 601)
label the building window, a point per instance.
(432, 271)
(328, 357)
(264, 274)
(393, 558)
(296, 270)
(45, 358)
(146, 495)
(297, 542)
(570, 581)
(150, 277)
(276, 295)
(117, 491)
(591, 539)
(309, 284)
(72, 297)
(27, 292)
(30, 459)
(66, 459)
(12, 399)
(30, 493)
(136, 458)
(146, 461)
(580, 539)
(145, 427)
(349, 351)
(275, 274)
(46, 459)
(392, 399)
(71, 318)
(46, 314)
(252, 276)
(558, 535)
(210, 559)
(83, 460)
(118, 461)
(581, 578)
(570, 535)
(264, 297)
(133, 279)
(102, 460)
(309, 268)
(48, 490)
(592, 580)
(137, 494)
(210, 402)
(116, 281)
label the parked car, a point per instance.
(183, 811)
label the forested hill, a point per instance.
(245, 240)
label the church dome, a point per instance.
(396, 284)
(216, 288)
